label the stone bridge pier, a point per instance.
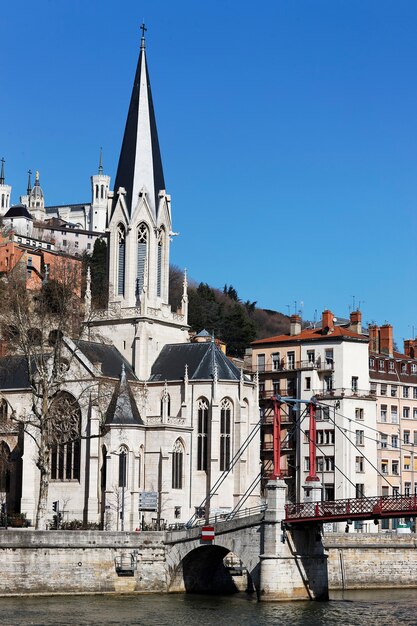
(281, 565)
(293, 565)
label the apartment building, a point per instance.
(393, 382)
(328, 362)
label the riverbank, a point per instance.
(77, 562)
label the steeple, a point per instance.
(140, 164)
(29, 189)
(5, 191)
(100, 165)
(100, 184)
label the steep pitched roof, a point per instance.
(18, 210)
(313, 334)
(14, 373)
(109, 358)
(140, 163)
(123, 408)
(201, 358)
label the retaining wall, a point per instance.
(384, 560)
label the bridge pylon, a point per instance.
(293, 563)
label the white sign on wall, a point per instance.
(148, 501)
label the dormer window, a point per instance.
(381, 365)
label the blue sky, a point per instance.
(288, 133)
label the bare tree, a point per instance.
(34, 327)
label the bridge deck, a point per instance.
(351, 509)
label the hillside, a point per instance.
(222, 312)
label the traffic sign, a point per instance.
(207, 533)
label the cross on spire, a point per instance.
(143, 29)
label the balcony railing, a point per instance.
(267, 395)
(342, 392)
(292, 366)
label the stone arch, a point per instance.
(197, 567)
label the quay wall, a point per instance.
(46, 562)
(80, 562)
(383, 560)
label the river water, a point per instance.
(354, 608)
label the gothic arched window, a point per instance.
(166, 398)
(177, 464)
(4, 467)
(65, 432)
(225, 434)
(121, 242)
(160, 255)
(123, 467)
(142, 256)
(3, 410)
(202, 434)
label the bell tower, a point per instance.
(100, 184)
(139, 319)
(5, 191)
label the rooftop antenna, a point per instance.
(315, 318)
(361, 303)
(353, 307)
(289, 309)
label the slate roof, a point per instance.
(14, 373)
(141, 140)
(110, 359)
(123, 408)
(18, 210)
(200, 358)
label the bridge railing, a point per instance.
(378, 506)
(221, 517)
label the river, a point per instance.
(353, 608)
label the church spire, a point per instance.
(29, 189)
(2, 171)
(140, 165)
(100, 165)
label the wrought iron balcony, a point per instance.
(342, 392)
(321, 365)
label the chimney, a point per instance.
(295, 325)
(373, 338)
(356, 322)
(327, 321)
(409, 347)
(386, 343)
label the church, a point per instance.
(181, 435)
